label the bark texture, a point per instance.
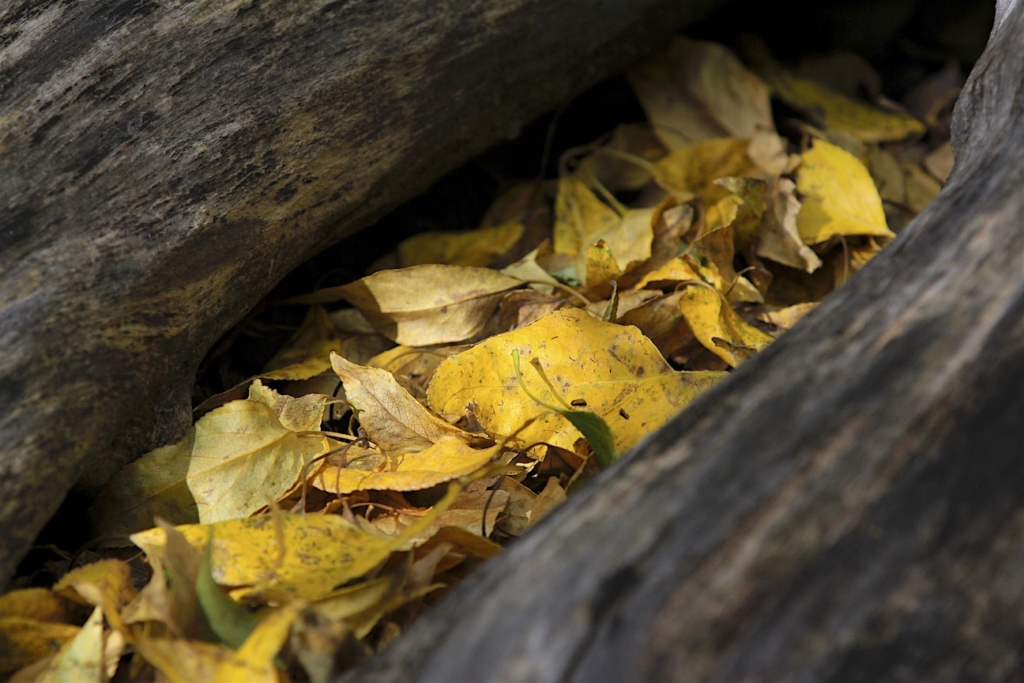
(164, 163)
(848, 506)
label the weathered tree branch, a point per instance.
(848, 506)
(163, 164)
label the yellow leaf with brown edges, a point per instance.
(429, 304)
(602, 367)
(320, 553)
(839, 197)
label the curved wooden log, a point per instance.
(164, 164)
(848, 506)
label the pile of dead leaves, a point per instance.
(478, 376)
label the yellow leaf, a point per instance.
(152, 486)
(24, 640)
(106, 584)
(321, 552)
(676, 270)
(833, 110)
(443, 461)
(351, 600)
(40, 604)
(699, 90)
(81, 659)
(182, 661)
(712, 319)
(839, 197)
(619, 248)
(301, 414)
(480, 247)
(243, 457)
(600, 269)
(391, 417)
(429, 304)
(614, 370)
(691, 171)
(785, 318)
(579, 216)
(254, 661)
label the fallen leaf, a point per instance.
(480, 247)
(24, 640)
(244, 456)
(614, 370)
(254, 661)
(785, 318)
(183, 661)
(779, 238)
(429, 304)
(301, 414)
(833, 110)
(699, 90)
(839, 197)
(579, 216)
(712, 319)
(691, 171)
(40, 604)
(320, 553)
(550, 497)
(921, 187)
(939, 162)
(389, 415)
(232, 622)
(449, 458)
(81, 659)
(106, 584)
(150, 487)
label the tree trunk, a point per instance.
(164, 164)
(847, 506)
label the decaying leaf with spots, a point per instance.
(611, 370)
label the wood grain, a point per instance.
(164, 163)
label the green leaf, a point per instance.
(229, 620)
(596, 431)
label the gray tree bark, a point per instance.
(164, 163)
(847, 506)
